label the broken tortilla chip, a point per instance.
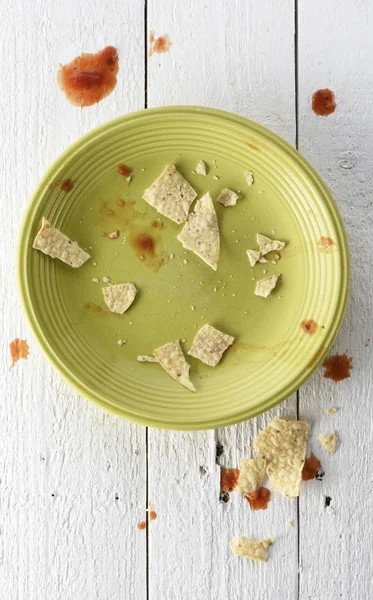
(146, 358)
(267, 245)
(200, 233)
(119, 297)
(54, 243)
(171, 358)
(283, 445)
(210, 344)
(256, 550)
(171, 195)
(252, 473)
(265, 286)
(227, 197)
(329, 442)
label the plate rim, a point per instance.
(77, 385)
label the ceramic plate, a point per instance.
(274, 352)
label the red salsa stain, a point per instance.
(141, 525)
(90, 77)
(228, 479)
(323, 102)
(259, 499)
(337, 367)
(325, 243)
(18, 349)
(123, 170)
(159, 45)
(309, 326)
(310, 467)
(94, 307)
(152, 515)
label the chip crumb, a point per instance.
(329, 442)
(331, 410)
(249, 178)
(172, 256)
(125, 239)
(273, 232)
(106, 279)
(121, 342)
(95, 280)
(129, 179)
(185, 261)
(114, 235)
(256, 550)
(183, 340)
(216, 177)
(201, 168)
(193, 307)
(94, 264)
(291, 524)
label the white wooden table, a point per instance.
(74, 482)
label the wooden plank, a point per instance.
(236, 56)
(72, 479)
(334, 52)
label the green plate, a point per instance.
(178, 293)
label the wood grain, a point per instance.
(336, 541)
(72, 479)
(236, 56)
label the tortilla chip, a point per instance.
(265, 286)
(210, 344)
(171, 195)
(283, 446)
(200, 233)
(171, 358)
(201, 168)
(252, 473)
(227, 197)
(119, 297)
(54, 243)
(256, 550)
(147, 359)
(329, 442)
(267, 245)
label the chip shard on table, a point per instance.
(200, 233)
(171, 195)
(119, 297)
(265, 286)
(329, 442)
(227, 197)
(210, 344)
(201, 168)
(256, 550)
(252, 473)
(171, 358)
(283, 445)
(267, 245)
(54, 243)
(145, 358)
(331, 411)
